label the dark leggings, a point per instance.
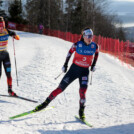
(73, 73)
(5, 59)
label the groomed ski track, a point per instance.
(110, 98)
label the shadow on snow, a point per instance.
(120, 129)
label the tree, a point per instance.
(76, 15)
(47, 12)
(120, 34)
(15, 12)
(2, 12)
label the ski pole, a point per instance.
(58, 76)
(91, 78)
(15, 63)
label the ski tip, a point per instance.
(29, 112)
(84, 121)
(11, 118)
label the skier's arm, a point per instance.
(72, 49)
(95, 59)
(13, 34)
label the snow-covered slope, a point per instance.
(110, 98)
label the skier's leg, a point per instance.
(67, 79)
(7, 67)
(82, 93)
(83, 80)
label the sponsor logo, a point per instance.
(82, 64)
(92, 46)
(82, 101)
(66, 79)
(80, 45)
(84, 83)
(73, 47)
(88, 52)
(7, 63)
(84, 78)
(3, 38)
(68, 55)
(80, 51)
(8, 69)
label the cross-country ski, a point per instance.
(83, 121)
(27, 113)
(19, 97)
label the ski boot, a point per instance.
(42, 106)
(81, 113)
(11, 93)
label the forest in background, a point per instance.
(64, 15)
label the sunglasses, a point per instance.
(88, 36)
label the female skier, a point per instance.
(86, 55)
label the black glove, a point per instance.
(93, 68)
(64, 68)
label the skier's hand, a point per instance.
(93, 68)
(17, 37)
(64, 68)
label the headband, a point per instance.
(88, 32)
(2, 24)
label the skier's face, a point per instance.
(87, 39)
(87, 36)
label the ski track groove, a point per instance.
(109, 101)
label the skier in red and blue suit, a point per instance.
(86, 55)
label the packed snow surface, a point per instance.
(109, 100)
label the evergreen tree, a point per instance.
(47, 12)
(76, 15)
(2, 12)
(120, 34)
(68, 16)
(15, 11)
(82, 16)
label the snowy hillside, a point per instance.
(110, 99)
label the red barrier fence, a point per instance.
(122, 50)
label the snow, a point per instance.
(110, 98)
